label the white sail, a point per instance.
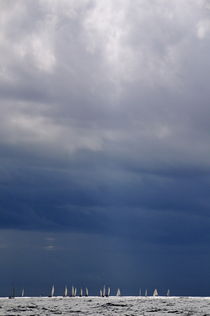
(100, 293)
(118, 292)
(155, 293)
(65, 291)
(86, 291)
(139, 292)
(81, 292)
(75, 291)
(52, 291)
(108, 291)
(168, 293)
(22, 294)
(145, 292)
(104, 291)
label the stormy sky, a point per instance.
(105, 145)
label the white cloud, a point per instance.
(104, 75)
(203, 29)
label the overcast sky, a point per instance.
(105, 144)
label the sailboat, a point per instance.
(139, 292)
(100, 293)
(65, 291)
(52, 291)
(145, 292)
(118, 292)
(81, 292)
(155, 293)
(86, 291)
(104, 291)
(13, 293)
(168, 293)
(108, 292)
(22, 293)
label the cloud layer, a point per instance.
(104, 118)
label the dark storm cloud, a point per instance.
(104, 198)
(104, 118)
